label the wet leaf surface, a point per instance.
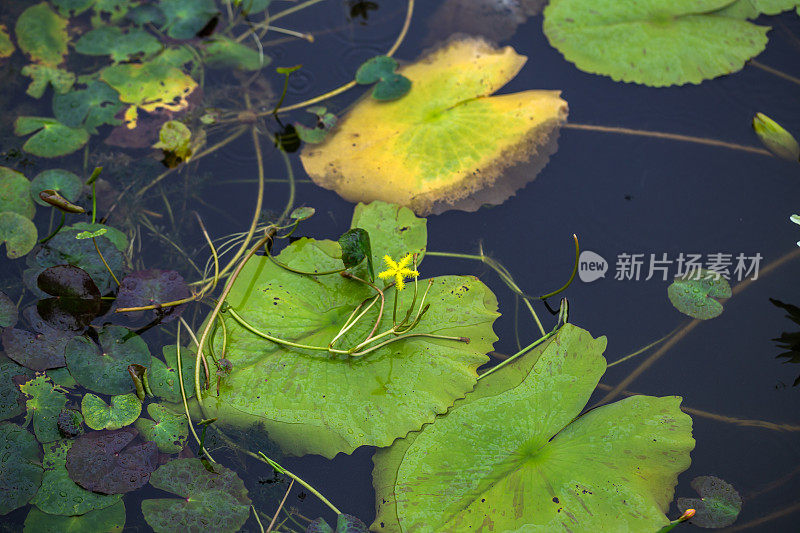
(89, 108)
(104, 368)
(50, 138)
(718, 506)
(164, 376)
(380, 70)
(43, 76)
(148, 287)
(222, 52)
(13, 193)
(70, 423)
(76, 299)
(209, 501)
(20, 473)
(45, 402)
(168, 429)
(8, 311)
(112, 41)
(107, 520)
(694, 294)
(123, 411)
(109, 462)
(37, 351)
(12, 401)
(62, 181)
(60, 495)
(42, 34)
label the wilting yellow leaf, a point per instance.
(448, 143)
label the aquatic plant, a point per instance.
(718, 506)
(695, 293)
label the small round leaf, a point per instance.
(123, 411)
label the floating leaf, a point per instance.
(222, 52)
(208, 501)
(89, 108)
(62, 377)
(107, 520)
(123, 411)
(18, 233)
(652, 42)
(65, 7)
(150, 85)
(186, 19)
(251, 6)
(519, 434)
(117, 238)
(149, 287)
(91, 234)
(44, 75)
(121, 46)
(42, 34)
(104, 369)
(8, 311)
(297, 394)
(395, 228)
(62, 181)
(380, 70)
(45, 402)
(164, 376)
(168, 429)
(750, 9)
(107, 462)
(317, 134)
(448, 143)
(20, 473)
(356, 250)
(59, 495)
(12, 402)
(719, 504)
(693, 294)
(76, 299)
(70, 423)
(53, 198)
(37, 351)
(789, 341)
(6, 46)
(175, 140)
(779, 141)
(302, 213)
(13, 193)
(64, 248)
(345, 523)
(51, 138)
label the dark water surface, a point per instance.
(619, 194)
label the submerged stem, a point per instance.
(308, 487)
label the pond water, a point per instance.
(622, 193)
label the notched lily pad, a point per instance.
(222, 52)
(168, 429)
(121, 46)
(89, 108)
(45, 402)
(448, 143)
(719, 504)
(50, 137)
(104, 368)
(44, 75)
(109, 463)
(20, 473)
(59, 495)
(13, 198)
(186, 19)
(123, 411)
(380, 70)
(164, 377)
(76, 299)
(62, 181)
(694, 294)
(150, 85)
(208, 501)
(149, 287)
(107, 520)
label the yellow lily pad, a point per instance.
(150, 86)
(447, 144)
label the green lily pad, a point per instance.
(151, 85)
(396, 228)
(62, 181)
(20, 473)
(297, 393)
(104, 369)
(719, 504)
(208, 501)
(693, 294)
(186, 19)
(8, 311)
(59, 495)
(45, 402)
(779, 141)
(12, 402)
(251, 6)
(302, 213)
(164, 376)
(380, 70)
(652, 42)
(222, 52)
(6, 46)
(62, 377)
(750, 9)
(42, 34)
(44, 75)
(123, 411)
(317, 134)
(516, 453)
(50, 137)
(121, 46)
(89, 108)
(107, 520)
(70, 423)
(64, 248)
(117, 238)
(13, 195)
(345, 523)
(168, 429)
(18, 233)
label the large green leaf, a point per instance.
(20, 472)
(652, 42)
(45, 402)
(11, 401)
(151, 85)
(209, 501)
(316, 402)
(104, 368)
(396, 228)
(512, 456)
(751, 9)
(14, 195)
(50, 137)
(59, 495)
(42, 34)
(106, 520)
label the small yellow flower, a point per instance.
(398, 270)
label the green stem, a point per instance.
(308, 487)
(289, 11)
(60, 225)
(242, 322)
(643, 349)
(406, 336)
(525, 350)
(103, 259)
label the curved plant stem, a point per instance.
(183, 390)
(349, 85)
(277, 512)
(643, 349)
(669, 136)
(647, 363)
(103, 259)
(764, 519)
(246, 325)
(523, 351)
(774, 71)
(308, 487)
(572, 276)
(58, 228)
(289, 11)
